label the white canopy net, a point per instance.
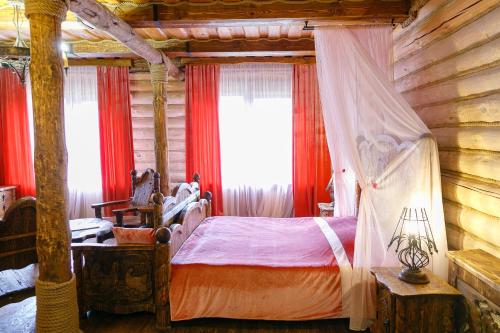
(377, 138)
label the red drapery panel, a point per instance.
(202, 130)
(115, 130)
(311, 158)
(16, 162)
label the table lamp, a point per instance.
(414, 232)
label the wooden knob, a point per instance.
(196, 177)
(163, 235)
(158, 198)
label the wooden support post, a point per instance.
(158, 80)
(46, 71)
(56, 292)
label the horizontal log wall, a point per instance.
(143, 126)
(447, 66)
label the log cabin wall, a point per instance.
(143, 127)
(447, 65)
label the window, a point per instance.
(81, 120)
(255, 123)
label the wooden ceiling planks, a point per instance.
(239, 13)
(218, 21)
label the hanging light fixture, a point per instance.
(17, 57)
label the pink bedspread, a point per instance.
(259, 268)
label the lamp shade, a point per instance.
(414, 242)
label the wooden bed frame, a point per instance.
(132, 278)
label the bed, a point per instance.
(230, 267)
(262, 268)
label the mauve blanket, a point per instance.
(259, 268)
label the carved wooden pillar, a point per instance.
(55, 289)
(158, 80)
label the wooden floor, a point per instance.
(144, 322)
(20, 318)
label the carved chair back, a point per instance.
(142, 187)
(18, 235)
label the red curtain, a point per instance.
(115, 130)
(16, 161)
(202, 130)
(311, 159)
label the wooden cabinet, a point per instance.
(7, 197)
(411, 308)
(325, 209)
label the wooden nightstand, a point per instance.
(411, 308)
(325, 209)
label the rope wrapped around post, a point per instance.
(159, 72)
(56, 8)
(53, 313)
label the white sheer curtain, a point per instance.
(376, 136)
(82, 140)
(255, 123)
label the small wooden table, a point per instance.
(82, 229)
(325, 209)
(409, 308)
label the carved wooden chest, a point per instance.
(476, 274)
(7, 197)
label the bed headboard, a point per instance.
(175, 217)
(166, 210)
(189, 220)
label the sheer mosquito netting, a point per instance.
(376, 139)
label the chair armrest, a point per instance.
(120, 212)
(98, 206)
(146, 213)
(145, 209)
(125, 210)
(110, 203)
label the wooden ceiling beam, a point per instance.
(209, 48)
(243, 48)
(14, 52)
(240, 60)
(100, 62)
(220, 14)
(104, 20)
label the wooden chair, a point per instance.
(142, 189)
(18, 254)
(133, 278)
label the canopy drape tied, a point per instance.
(381, 142)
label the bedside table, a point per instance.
(411, 308)
(325, 209)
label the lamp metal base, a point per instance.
(413, 276)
